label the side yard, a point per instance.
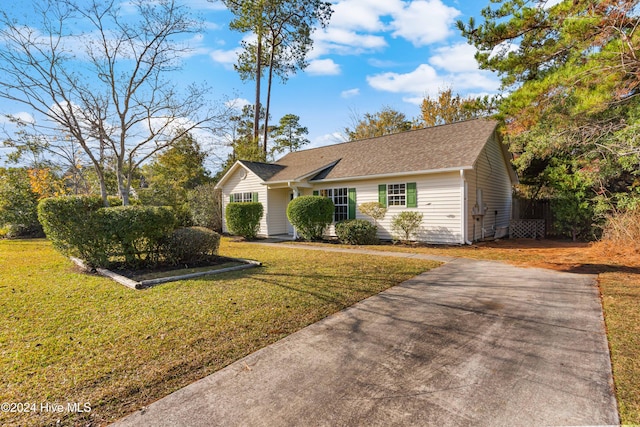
(68, 337)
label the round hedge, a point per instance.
(310, 215)
(243, 218)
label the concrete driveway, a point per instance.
(470, 343)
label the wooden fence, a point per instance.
(525, 211)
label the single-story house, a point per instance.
(458, 175)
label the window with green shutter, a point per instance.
(405, 194)
(382, 194)
(344, 200)
(352, 203)
(412, 195)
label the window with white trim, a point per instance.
(340, 198)
(396, 195)
(242, 197)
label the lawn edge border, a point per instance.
(132, 284)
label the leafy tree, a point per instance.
(109, 94)
(172, 174)
(573, 213)
(573, 71)
(283, 29)
(289, 135)
(450, 108)
(18, 204)
(386, 121)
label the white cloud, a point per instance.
(237, 103)
(416, 81)
(345, 42)
(363, 15)
(225, 57)
(350, 93)
(323, 67)
(456, 58)
(425, 81)
(423, 22)
(21, 116)
(504, 49)
(327, 139)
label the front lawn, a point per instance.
(68, 337)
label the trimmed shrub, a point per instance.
(79, 226)
(310, 215)
(243, 219)
(192, 244)
(406, 224)
(70, 225)
(357, 232)
(137, 233)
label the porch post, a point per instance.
(296, 194)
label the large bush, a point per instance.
(79, 226)
(18, 204)
(243, 219)
(205, 205)
(70, 224)
(406, 224)
(136, 234)
(193, 244)
(357, 232)
(310, 215)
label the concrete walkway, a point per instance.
(470, 343)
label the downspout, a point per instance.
(464, 190)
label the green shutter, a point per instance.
(412, 195)
(382, 194)
(352, 203)
(316, 193)
(254, 197)
(230, 198)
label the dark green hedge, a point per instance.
(310, 215)
(357, 232)
(69, 223)
(136, 234)
(243, 219)
(80, 226)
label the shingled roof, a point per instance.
(446, 147)
(451, 146)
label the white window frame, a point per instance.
(397, 195)
(340, 198)
(242, 197)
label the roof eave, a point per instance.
(394, 175)
(231, 171)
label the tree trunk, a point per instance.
(256, 113)
(266, 116)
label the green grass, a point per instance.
(66, 336)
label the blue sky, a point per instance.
(374, 53)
